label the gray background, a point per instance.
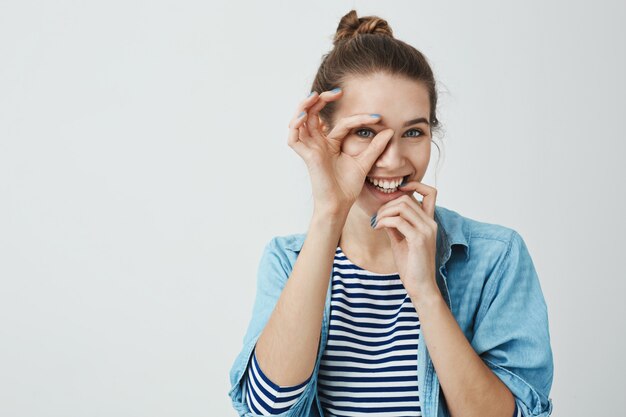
(144, 165)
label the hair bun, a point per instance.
(351, 26)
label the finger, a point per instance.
(425, 223)
(405, 210)
(303, 106)
(299, 139)
(303, 135)
(308, 101)
(298, 120)
(295, 125)
(296, 143)
(417, 205)
(323, 99)
(405, 198)
(395, 234)
(294, 129)
(343, 126)
(374, 149)
(409, 200)
(401, 225)
(429, 193)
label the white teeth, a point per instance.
(385, 183)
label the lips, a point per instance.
(383, 196)
(392, 183)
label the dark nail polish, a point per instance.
(404, 181)
(373, 220)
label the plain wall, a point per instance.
(144, 165)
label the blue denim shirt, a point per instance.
(488, 280)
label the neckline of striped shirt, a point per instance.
(340, 255)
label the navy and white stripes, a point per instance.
(369, 365)
(266, 398)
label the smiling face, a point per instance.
(404, 106)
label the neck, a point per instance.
(362, 243)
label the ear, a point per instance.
(324, 127)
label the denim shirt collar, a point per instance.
(451, 232)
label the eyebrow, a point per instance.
(416, 121)
(410, 122)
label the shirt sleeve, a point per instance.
(273, 271)
(267, 398)
(511, 332)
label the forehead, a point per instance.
(392, 96)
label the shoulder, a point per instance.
(481, 238)
(281, 251)
(287, 243)
(498, 260)
(492, 235)
(277, 260)
(476, 228)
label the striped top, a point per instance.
(369, 365)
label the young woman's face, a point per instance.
(404, 106)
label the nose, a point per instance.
(391, 158)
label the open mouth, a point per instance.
(386, 186)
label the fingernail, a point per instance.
(301, 114)
(373, 220)
(336, 90)
(310, 94)
(375, 115)
(404, 181)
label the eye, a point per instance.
(365, 130)
(415, 130)
(373, 133)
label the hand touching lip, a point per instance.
(429, 196)
(412, 233)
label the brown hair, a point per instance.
(365, 45)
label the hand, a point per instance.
(412, 231)
(336, 177)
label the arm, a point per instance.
(470, 388)
(509, 356)
(288, 346)
(266, 398)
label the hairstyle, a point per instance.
(366, 45)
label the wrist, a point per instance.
(331, 220)
(428, 294)
(332, 213)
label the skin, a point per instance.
(404, 239)
(407, 153)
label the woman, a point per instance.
(388, 305)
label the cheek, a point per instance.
(353, 146)
(424, 156)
